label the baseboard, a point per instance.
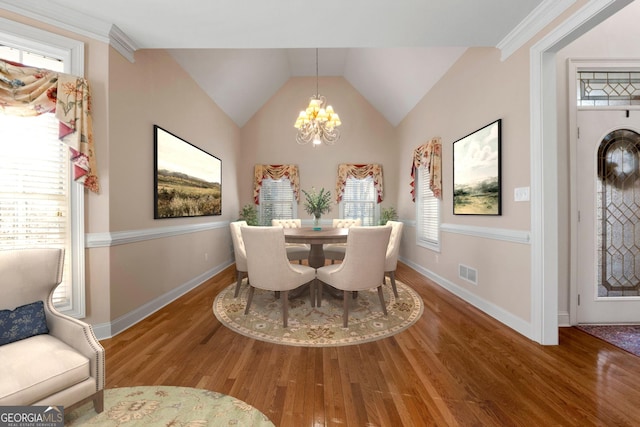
(122, 323)
(564, 319)
(513, 322)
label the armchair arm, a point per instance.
(78, 335)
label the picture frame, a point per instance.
(477, 185)
(187, 179)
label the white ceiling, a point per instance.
(242, 51)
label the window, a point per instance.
(360, 201)
(276, 200)
(428, 212)
(40, 205)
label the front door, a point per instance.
(608, 198)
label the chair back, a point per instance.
(393, 249)
(267, 262)
(238, 245)
(346, 222)
(287, 223)
(363, 264)
(29, 275)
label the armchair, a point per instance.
(63, 363)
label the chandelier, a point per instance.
(318, 123)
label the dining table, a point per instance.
(316, 239)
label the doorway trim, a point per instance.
(544, 165)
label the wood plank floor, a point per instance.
(454, 367)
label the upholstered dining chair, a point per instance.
(270, 269)
(47, 358)
(295, 251)
(362, 267)
(391, 261)
(239, 254)
(335, 251)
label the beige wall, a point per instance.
(477, 90)
(156, 90)
(366, 137)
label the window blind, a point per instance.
(276, 200)
(428, 215)
(359, 200)
(34, 179)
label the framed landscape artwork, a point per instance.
(187, 179)
(476, 172)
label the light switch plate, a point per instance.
(521, 194)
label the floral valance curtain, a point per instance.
(360, 172)
(275, 172)
(28, 91)
(429, 155)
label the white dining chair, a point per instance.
(270, 269)
(335, 251)
(295, 251)
(361, 269)
(239, 253)
(393, 249)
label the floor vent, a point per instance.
(467, 273)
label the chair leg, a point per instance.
(238, 283)
(312, 292)
(318, 293)
(285, 308)
(392, 276)
(249, 298)
(384, 306)
(345, 314)
(98, 401)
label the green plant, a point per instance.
(317, 204)
(249, 213)
(388, 214)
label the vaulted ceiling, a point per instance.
(242, 51)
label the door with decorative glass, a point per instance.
(608, 200)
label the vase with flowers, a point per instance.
(317, 204)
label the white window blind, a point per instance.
(360, 201)
(276, 200)
(39, 204)
(428, 212)
(34, 180)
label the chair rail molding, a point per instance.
(507, 235)
(101, 240)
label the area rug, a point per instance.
(627, 337)
(319, 326)
(167, 406)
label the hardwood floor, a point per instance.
(454, 367)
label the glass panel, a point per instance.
(618, 215)
(608, 88)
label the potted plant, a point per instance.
(249, 213)
(388, 214)
(317, 204)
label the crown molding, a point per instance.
(539, 18)
(74, 21)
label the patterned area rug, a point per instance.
(627, 337)
(167, 406)
(319, 326)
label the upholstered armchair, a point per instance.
(239, 254)
(46, 357)
(295, 251)
(391, 260)
(361, 269)
(269, 267)
(335, 251)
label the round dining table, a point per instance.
(316, 239)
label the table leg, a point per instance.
(316, 256)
